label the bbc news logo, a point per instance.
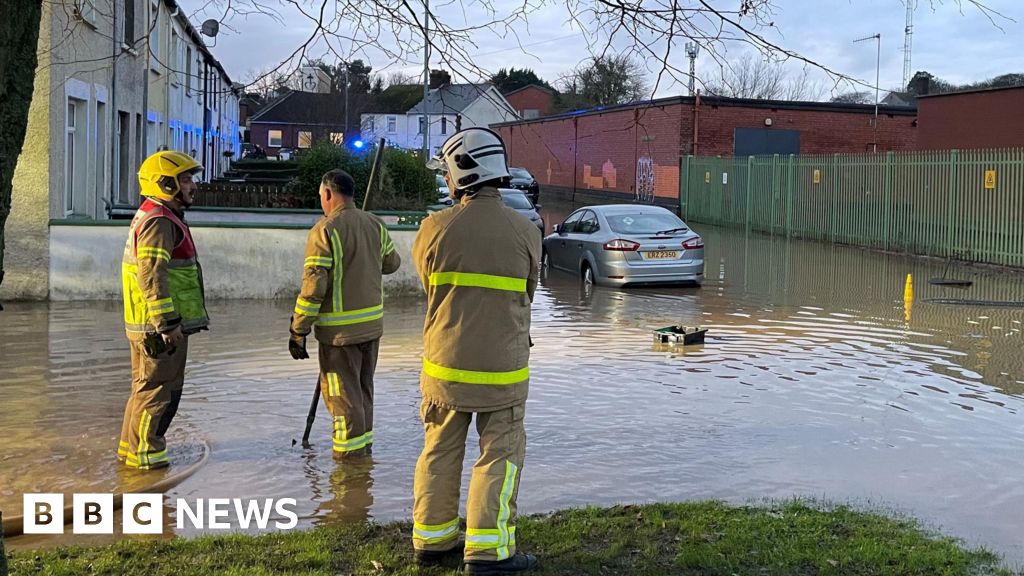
(143, 514)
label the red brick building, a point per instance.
(532, 101)
(600, 150)
(298, 119)
(992, 118)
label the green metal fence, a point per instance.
(963, 204)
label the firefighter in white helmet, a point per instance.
(163, 305)
(479, 264)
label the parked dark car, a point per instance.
(520, 202)
(523, 180)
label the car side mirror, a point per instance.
(558, 228)
(537, 206)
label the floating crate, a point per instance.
(685, 335)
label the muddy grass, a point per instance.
(694, 538)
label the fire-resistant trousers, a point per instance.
(493, 486)
(346, 381)
(156, 391)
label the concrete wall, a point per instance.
(238, 261)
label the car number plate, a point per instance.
(661, 254)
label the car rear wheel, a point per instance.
(588, 274)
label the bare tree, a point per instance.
(604, 81)
(855, 97)
(760, 78)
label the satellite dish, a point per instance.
(210, 28)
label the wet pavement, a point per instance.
(816, 380)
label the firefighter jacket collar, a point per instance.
(485, 192)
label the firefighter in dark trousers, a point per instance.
(163, 304)
(479, 264)
(342, 299)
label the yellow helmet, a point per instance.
(158, 175)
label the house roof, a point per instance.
(303, 108)
(537, 86)
(452, 98)
(198, 40)
(973, 91)
(396, 99)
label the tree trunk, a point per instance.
(19, 31)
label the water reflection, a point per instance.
(812, 381)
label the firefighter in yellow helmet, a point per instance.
(342, 298)
(479, 264)
(163, 304)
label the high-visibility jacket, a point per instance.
(162, 281)
(479, 264)
(342, 295)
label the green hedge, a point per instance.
(405, 183)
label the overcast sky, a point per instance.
(957, 43)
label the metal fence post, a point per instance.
(790, 191)
(684, 184)
(835, 196)
(954, 160)
(750, 191)
(888, 197)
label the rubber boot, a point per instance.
(514, 565)
(436, 557)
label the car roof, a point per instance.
(511, 191)
(615, 209)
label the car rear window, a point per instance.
(643, 223)
(517, 201)
(440, 181)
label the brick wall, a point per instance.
(983, 119)
(601, 152)
(533, 98)
(259, 133)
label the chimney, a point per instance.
(439, 78)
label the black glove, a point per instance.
(297, 346)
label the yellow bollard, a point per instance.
(908, 297)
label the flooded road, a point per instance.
(816, 380)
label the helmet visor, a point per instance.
(436, 163)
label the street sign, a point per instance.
(990, 179)
(817, 176)
(707, 177)
(725, 178)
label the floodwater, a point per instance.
(816, 380)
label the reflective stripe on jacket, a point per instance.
(162, 282)
(479, 263)
(342, 294)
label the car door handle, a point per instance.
(579, 245)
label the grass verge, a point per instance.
(693, 538)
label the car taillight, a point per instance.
(693, 243)
(622, 246)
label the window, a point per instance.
(392, 124)
(69, 157)
(569, 226)
(336, 138)
(86, 11)
(173, 57)
(274, 138)
(124, 169)
(444, 125)
(188, 71)
(101, 149)
(129, 23)
(516, 201)
(370, 125)
(531, 113)
(305, 139)
(588, 223)
(421, 119)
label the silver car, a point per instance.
(620, 244)
(518, 201)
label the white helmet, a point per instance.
(472, 156)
